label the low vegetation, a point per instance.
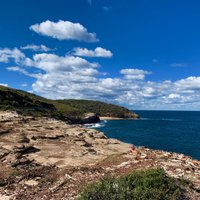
(30, 104)
(101, 108)
(151, 184)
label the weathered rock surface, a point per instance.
(43, 158)
(52, 142)
(90, 118)
(87, 118)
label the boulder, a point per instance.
(87, 118)
(90, 118)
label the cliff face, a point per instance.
(44, 158)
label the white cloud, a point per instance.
(174, 96)
(7, 54)
(24, 85)
(89, 72)
(4, 84)
(71, 76)
(53, 62)
(64, 30)
(17, 69)
(177, 65)
(97, 52)
(36, 48)
(74, 77)
(23, 71)
(191, 82)
(135, 74)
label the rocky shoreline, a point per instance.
(44, 158)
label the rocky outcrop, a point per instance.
(87, 118)
(90, 118)
(44, 158)
(131, 115)
(50, 141)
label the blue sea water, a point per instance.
(176, 131)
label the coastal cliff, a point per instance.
(46, 158)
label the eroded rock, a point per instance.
(23, 138)
(41, 151)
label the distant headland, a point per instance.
(73, 111)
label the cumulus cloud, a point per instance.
(23, 71)
(64, 30)
(53, 62)
(71, 76)
(135, 74)
(34, 47)
(17, 69)
(191, 82)
(7, 54)
(97, 52)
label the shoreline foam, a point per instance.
(116, 118)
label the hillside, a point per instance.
(101, 108)
(30, 104)
(71, 110)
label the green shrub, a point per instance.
(151, 184)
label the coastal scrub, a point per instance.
(151, 184)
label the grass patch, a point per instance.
(151, 184)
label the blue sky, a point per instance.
(141, 54)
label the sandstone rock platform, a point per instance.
(44, 158)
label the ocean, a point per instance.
(175, 131)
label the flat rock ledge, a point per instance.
(43, 158)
